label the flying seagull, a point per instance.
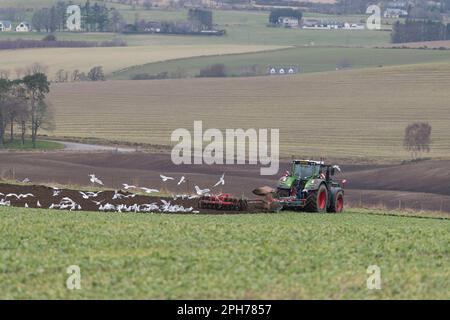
(221, 181)
(165, 178)
(147, 190)
(201, 192)
(127, 186)
(95, 180)
(182, 179)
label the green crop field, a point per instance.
(309, 59)
(268, 256)
(357, 114)
(40, 145)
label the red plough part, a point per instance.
(222, 201)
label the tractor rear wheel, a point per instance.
(317, 200)
(337, 205)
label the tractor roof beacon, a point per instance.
(309, 187)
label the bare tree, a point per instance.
(417, 138)
(4, 74)
(96, 74)
(21, 119)
(44, 118)
(62, 76)
(15, 106)
(35, 68)
(36, 88)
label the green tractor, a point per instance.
(308, 187)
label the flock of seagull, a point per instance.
(67, 203)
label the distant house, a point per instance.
(23, 27)
(289, 22)
(5, 25)
(395, 13)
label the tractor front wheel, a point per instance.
(338, 204)
(317, 200)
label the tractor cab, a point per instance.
(305, 169)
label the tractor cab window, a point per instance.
(305, 171)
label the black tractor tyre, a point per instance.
(337, 205)
(317, 201)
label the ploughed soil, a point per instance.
(423, 185)
(38, 196)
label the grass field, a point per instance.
(40, 145)
(310, 59)
(359, 114)
(243, 27)
(283, 256)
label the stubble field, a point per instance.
(357, 114)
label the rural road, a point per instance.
(75, 146)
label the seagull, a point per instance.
(56, 192)
(3, 202)
(201, 192)
(182, 179)
(165, 178)
(26, 205)
(126, 186)
(221, 181)
(26, 180)
(98, 202)
(88, 195)
(337, 168)
(20, 196)
(95, 180)
(38, 204)
(147, 190)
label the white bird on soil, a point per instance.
(20, 196)
(182, 179)
(201, 192)
(221, 181)
(148, 190)
(56, 192)
(38, 204)
(87, 195)
(3, 202)
(98, 202)
(95, 180)
(165, 178)
(26, 205)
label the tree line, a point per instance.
(419, 30)
(94, 17)
(23, 104)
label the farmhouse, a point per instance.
(289, 22)
(23, 27)
(395, 13)
(5, 25)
